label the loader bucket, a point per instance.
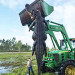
(40, 5)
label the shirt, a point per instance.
(29, 63)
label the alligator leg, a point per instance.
(34, 36)
(44, 45)
(34, 45)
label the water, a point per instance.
(1, 62)
(56, 73)
(9, 69)
(5, 69)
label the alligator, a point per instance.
(39, 36)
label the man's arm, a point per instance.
(32, 58)
(33, 23)
(45, 23)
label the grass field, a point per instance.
(18, 59)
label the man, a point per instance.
(29, 66)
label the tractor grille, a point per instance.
(56, 56)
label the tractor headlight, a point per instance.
(48, 58)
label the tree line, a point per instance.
(11, 45)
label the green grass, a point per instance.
(19, 59)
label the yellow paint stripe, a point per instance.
(63, 51)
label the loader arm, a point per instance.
(58, 28)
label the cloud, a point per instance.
(69, 20)
(10, 3)
(14, 3)
(26, 37)
(64, 13)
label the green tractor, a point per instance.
(63, 59)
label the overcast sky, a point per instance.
(10, 25)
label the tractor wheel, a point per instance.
(67, 68)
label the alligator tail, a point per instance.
(39, 55)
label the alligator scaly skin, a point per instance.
(39, 36)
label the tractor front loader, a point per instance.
(63, 59)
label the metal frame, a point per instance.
(58, 28)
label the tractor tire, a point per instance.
(67, 68)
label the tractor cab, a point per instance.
(63, 45)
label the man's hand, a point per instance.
(32, 58)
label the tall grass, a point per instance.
(20, 60)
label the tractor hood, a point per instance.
(56, 57)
